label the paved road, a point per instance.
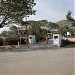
(37, 62)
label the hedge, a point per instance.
(14, 41)
(1, 42)
(11, 41)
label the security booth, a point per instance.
(57, 37)
(32, 39)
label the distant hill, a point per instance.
(64, 22)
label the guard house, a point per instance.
(57, 37)
(32, 39)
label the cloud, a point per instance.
(52, 10)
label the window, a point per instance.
(30, 37)
(55, 37)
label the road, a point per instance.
(55, 61)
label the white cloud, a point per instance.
(52, 10)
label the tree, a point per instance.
(4, 34)
(13, 28)
(12, 33)
(69, 17)
(53, 26)
(15, 10)
(34, 28)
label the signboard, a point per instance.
(23, 32)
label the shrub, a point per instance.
(14, 41)
(1, 42)
(65, 42)
(23, 41)
(68, 43)
(11, 41)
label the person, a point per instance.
(47, 39)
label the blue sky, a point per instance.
(52, 10)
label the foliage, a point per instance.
(53, 26)
(40, 28)
(12, 33)
(4, 34)
(1, 42)
(24, 23)
(15, 10)
(43, 24)
(67, 43)
(73, 24)
(11, 41)
(14, 41)
(34, 28)
(70, 18)
(66, 28)
(13, 28)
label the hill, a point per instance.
(64, 22)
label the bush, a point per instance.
(68, 43)
(1, 42)
(11, 41)
(14, 41)
(65, 42)
(23, 41)
(40, 39)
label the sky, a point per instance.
(52, 10)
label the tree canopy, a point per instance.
(15, 10)
(70, 18)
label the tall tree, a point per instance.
(34, 28)
(70, 18)
(15, 10)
